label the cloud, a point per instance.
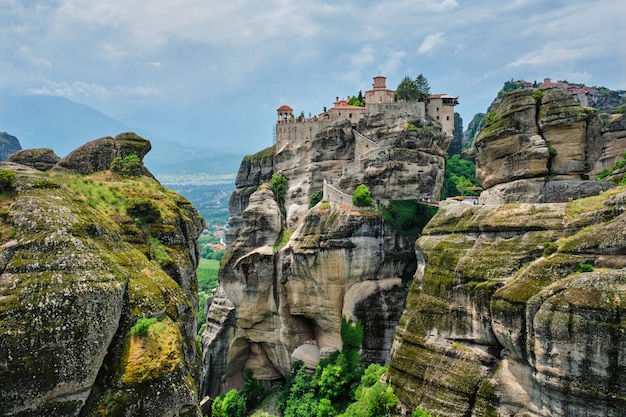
(80, 90)
(393, 61)
(551, 54)
(431, 42)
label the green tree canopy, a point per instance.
(279, 186)
(130, 166)
(407, 90)
(362, 196)
(422, 87)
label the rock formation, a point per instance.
(97, 303)
(8, 145)
(98, 154)
(286, 282)
(539, 146)
(42, 159)
(498, 321)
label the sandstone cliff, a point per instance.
(498, 321)
(287, 281)
(540, 146)
(97, 292)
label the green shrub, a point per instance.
(351, 334)
(362, 196)
(537, 96)
(142, 325)
(130, 166)
(490, 117)
(230, 404)
(550, 248)
(418, 412)
(279, 186)
(585, 268)
(315, 198)
(7, 180)
(551, 152)
(605, 173)
(158, 251)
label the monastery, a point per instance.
(379, 98)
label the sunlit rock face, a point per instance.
(293, 272)
(77, 276)
(538, 146)
(274, 305)
(498, 320)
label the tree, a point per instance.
(230, 404)
(423, 88)
(407, 90)
(362, 196)
(279, 186)
(130, 166)
(360, 97)
(356, 102)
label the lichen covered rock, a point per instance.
(498, 321)
(538, 146)
(78, 277)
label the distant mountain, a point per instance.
(54, 122)
(8, 145)
(63, 125)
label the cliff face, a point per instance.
(8, 145)
(498, 321)
(271, 306)
(538, 148)
(97, 302)
(286, 283)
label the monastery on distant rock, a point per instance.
(379, 98)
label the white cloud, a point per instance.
(431, 42)
(551, 54)
(393, 61)
(81, 90)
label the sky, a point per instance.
(212, 73)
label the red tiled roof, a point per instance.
(284, 108)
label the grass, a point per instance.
(595, 203)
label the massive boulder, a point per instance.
(42, 159)
(533, 138)
(516, 310)
(98, 154)
(97, 306)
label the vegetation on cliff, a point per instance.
(98, 273)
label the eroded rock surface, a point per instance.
(288, 279)
(534, 138)
(498, 321)
(77, 277)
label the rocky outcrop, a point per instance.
(291, 275)
(98, 154)
(97, 307)
(253, 171)
(277, 304)
(8, 145)
(42, 159)
(498, 321)
(534, 137)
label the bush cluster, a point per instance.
(142, 325)
(362, 196)
(129, 166)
